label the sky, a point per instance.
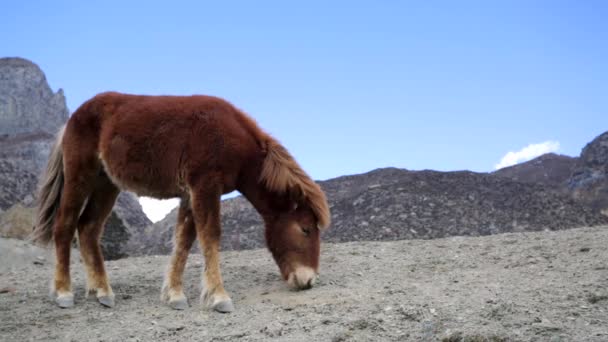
(346, 86)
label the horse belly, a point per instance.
(145, 167)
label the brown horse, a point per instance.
(196, 148)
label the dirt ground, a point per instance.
(547, 286)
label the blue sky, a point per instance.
(346, 86)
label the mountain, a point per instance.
(27, 103)
(549, 169)
(30, 115)
(390, 204)
(395, 204)
(385, 204)
(585, 178)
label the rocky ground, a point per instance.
(542, 286)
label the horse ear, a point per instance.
(298, 199)
(297, 196)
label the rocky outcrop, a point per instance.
(22, 159)
(589, 181)
(585, 178)
(593, 162)
(27, 103)
(30, 115)
(549, 169)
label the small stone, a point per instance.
(8, 290)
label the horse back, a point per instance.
(156, 145)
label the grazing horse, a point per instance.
(192, 147)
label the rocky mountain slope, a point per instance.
(585, 177)
(549, 169)
(589, 181)
(394, 204)
(30, 114)
(391, 204)
(541, 286)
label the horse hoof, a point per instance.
(179, 304)
(107, 301)
(65, 301)
(225, 306)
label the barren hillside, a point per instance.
(396, 204)
(541, 286)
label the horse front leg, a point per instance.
(172, 291)
(206, 211)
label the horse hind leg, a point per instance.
(185, 233)
(90, 229)
(73, 197)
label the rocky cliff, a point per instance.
(27, 103)
(30, 115)
(589, 181)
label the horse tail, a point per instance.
(49, 196)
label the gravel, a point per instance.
(542, 286)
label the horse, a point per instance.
(196, 148)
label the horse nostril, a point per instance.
(302, 278)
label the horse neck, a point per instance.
(257, 194)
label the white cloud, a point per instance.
(529, 152)
(156, 210)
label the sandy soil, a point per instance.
(548, 286)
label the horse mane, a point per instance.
(281, 173)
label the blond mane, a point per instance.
(281, 173)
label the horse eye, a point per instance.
(306, 231)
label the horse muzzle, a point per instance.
(303, 278)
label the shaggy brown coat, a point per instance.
(196, 148)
